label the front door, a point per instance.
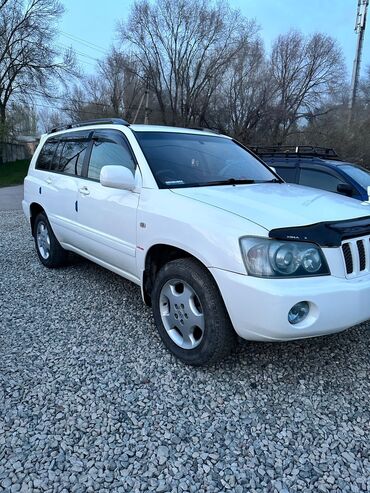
(107, 216)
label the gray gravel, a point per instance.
(91, 401)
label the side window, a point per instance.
(70, 154)
(109, 148)
(319, 179)
(288, 174)
(46, 155)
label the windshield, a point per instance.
(360, 175)
(185, 160)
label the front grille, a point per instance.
(356, 255)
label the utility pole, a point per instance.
(147, 110)
(360, 30)
(139, 107)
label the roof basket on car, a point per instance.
(99, 121)
(301, 151)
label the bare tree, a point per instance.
(241, 100)
(119, 82)
(113, 90)
(49, 118)
(183, 48)
(29, 63)
(304, 70)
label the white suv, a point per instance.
(219, 244)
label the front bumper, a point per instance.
(259, 308)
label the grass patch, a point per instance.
(13, 173)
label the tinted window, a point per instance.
(179, 159)
(70, 153)
(288, 174)
(46, 155)
(109, 148)
(319, 179)
(360, 175)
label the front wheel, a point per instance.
(190, 313)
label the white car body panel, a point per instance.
(270, 205)
(116, 229)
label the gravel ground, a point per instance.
(91, 401)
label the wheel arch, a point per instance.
(35, 209)
(156, 257)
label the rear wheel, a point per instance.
(190, 313)
(48, 248)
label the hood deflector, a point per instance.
(325, 234)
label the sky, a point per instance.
(89, 25)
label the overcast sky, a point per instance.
(94, 23)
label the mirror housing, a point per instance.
(117, 177)
(345, 189)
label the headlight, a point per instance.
(273, 258)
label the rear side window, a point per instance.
(70, 154)
(288, 174)
(46, 155)
(109, 148)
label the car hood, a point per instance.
(278, 205)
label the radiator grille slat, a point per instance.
(361, 254)
(348, 258)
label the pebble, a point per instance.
(90, 400)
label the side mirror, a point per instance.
(117, 177)
(345, 189)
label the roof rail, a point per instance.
(301, 151)
(98, 121)
(204, 129)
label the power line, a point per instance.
(83, 41)
(80, 54)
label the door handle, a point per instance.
(84, 191)
(48, 181)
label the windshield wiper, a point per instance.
(229, 181)
(235, 181)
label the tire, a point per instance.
(190, 313)
(48, 248)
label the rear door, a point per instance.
(42, 178)
(107, 216)
(65, 173)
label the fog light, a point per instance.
(298, 312)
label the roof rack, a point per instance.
(301, 151)
(99, 121)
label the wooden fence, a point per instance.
(13, 152)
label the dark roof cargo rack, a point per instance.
(99, 121)
(300, 151)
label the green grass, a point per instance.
(13, 173)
